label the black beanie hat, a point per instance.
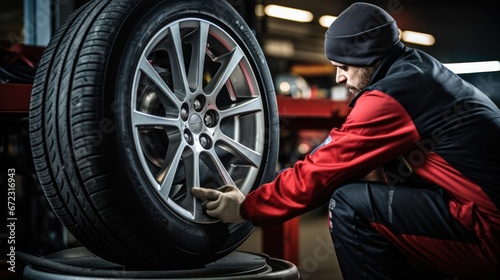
(362, 34)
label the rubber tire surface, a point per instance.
(81, 136)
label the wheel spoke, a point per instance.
(149, 71)
(229, 62)
(248, 155)
(244, 108)
(218, 168)
(192, 164)
(192, 167)
(143, 119)
(199, 43)
(167, 174)
(177, 63)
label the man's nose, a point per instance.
(340, 77)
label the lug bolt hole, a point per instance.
(184, 112)
(188, 137)
(199, 103)
(205, 141)
(211, 118)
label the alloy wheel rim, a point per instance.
(197, 114)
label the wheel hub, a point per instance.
(195, 123)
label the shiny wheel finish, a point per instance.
(197, 114)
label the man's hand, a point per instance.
(223, 203)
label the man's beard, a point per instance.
(364, 80)
(352, 89)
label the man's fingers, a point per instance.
(206, 194)
(226, 188)
(214, 213)
(211, 205)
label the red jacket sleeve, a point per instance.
(377, 130)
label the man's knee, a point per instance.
(351, 189)
(350, 200)
(345, 202)
(348, 195)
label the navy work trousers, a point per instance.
(385, 232)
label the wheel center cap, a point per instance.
(195, 123)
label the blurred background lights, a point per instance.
(303, 148)
(326, 20)
(285, 87)
(288, 13)
(286, 49)
(473, 67)
(417, 38)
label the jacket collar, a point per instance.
(392, 55)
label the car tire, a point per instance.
(134, 103)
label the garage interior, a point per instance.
(310, 103)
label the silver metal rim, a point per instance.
(197, 114)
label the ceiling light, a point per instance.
(326, 20)
(473, 67)
(418, 38)
(287, 13)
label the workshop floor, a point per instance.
(316, 261)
